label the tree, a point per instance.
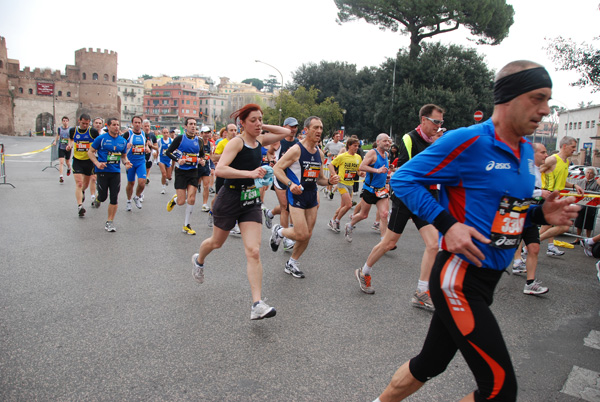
(582, 58)
(302, 103)
(453, 77)
(258, 84)
(345, 84)
(490, 20)
(146, 77)
(271, 83)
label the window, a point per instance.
(68, 94)
(587, 124)
(593, 123)
(114, 79)
(95, 77)
(570, 126)
(165, 102)
(579, 126)
(30, 91)
(194, 103)
(194, 111)
(59, 93)
(166, 93)
(187, 102)
(155, 102)
(84, 76)
(214, 102)
(221, 103)
(105, 77)
(20, 90)
(125, 107)
(148, 103)
(1, 64)
(165, 111)
(175, 102)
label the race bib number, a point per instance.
(64, 140)
(382, 192)
(311, 175)
(349, 176)
(509, 222)
(138, 150)
(189, 159)
(112, 158)
(249, 196)
(83, 146)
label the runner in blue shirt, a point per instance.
(112, 149)
(136, 153)
(487, 176)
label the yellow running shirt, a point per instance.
(556, 179)
(347, 167)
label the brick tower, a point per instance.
(98, 94)
(7, 124)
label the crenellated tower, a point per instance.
(98, 92)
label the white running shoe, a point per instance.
(261, 310)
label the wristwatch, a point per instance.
(289, 183)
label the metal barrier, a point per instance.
(588, 215)
(53, 156)
(3, 167)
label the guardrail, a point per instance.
(3, 167)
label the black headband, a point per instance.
(511, 86)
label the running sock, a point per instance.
(516, 262)
(530, 281)
(280, 231)
(188, 213)
(590, 241)
(423, 286)
(292, 261)
(270, 214)
(366, 270)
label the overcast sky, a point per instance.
(224, 37)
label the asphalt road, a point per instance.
(91, 315)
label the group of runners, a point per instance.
(468, 192)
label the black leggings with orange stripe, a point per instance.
(462, 294)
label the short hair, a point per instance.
(566, 140)
(65, 117)
(590, 168)
(380, 136)
(309, 120)
(428, 109)
(99, 118)
(514, 67)
(85, 116)
(136, 117)
(351, 141)
(146, 121)
(109, 121)
(187, 119)
(536, 146)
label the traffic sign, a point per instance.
(478, 116)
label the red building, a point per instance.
(170, 104)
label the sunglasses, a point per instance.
(434, 121)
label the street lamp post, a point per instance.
(258, 61)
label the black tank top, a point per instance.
(247, 159)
